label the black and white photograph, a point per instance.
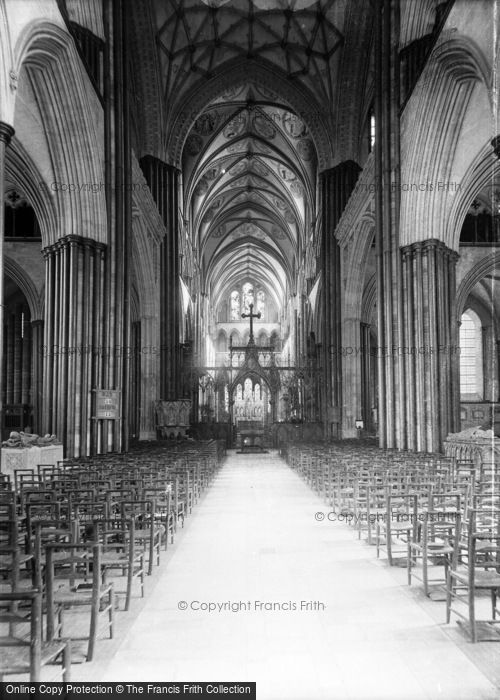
(250, 349)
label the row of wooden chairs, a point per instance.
(437, 516)
(67, 533)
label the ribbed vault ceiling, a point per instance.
(299, 37)
(249, 170)
(249, 162)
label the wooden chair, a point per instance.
(21, 476)
(5, 483)
(475, 571)
(13, 557)
(47, 473)
(148, 531)
(439, 528)
(398, 526)
(162, 497)
(36, 493)
(21, 654)
(183, 493)
(39, 513)
(73, 580)
(42, 533)
(119, 551)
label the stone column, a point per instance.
(38, 352)
(114, 368)
(366, 402)
(18, 354)
(391, 378)
(6, 134)
(72, 340)
(149, 373)
(336, 186)
(429, 346)
(27, 349)
(163, 181)
(351, 357)
(9, 350)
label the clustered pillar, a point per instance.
(418, 354)
(336, 187)
(430, 345)
(73, 349)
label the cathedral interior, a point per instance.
(217, 155)
(263, 228)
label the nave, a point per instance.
(254, 537)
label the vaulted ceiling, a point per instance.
(300, 38)
(249, 152)
(249, 168)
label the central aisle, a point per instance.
(254, 539)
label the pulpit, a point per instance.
(172, 418)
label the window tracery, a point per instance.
(241, 298)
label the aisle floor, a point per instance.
(302, 607)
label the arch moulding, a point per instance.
(299, 99)
(27, 287)
(475, 275)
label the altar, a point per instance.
(251, 436)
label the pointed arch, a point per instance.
(234, 73)
(433, 124)
(222, 341)
(21, 170)
(484, 267)
(45, 56)
(26, 285)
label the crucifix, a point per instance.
(251, 316)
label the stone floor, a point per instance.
(300, 606)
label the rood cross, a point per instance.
(251, 316)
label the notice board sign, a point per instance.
(107, 404)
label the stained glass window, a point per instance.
(235, 305)
(248, 297)
(261, 302)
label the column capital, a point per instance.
(430, 244)
(73, 240)
(6, 132)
